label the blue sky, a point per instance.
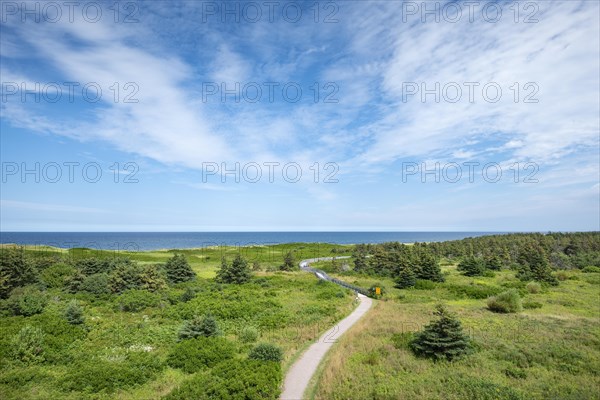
(375, 125)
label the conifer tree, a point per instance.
(429, 268)
(534, 265)
(472, 266)
(206, 326)
(237, 272)
(442, 339)
(74, 313)
(288, 262)
(178, 270)
(406, 278)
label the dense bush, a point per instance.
(74, 313)
(178, 270)
(266, 352)
(92, 265)
(130, 275)
(199, 326)
(506, 302)
(95, 284)
(249, 379)
(137, 300)
(202, 352)
(187, 295)
(126, 277)
(202, 386)
(233, 380)
(98, 375)
(59, 335)
(27, 301)
(28, 345)
(57, 275)
(442, 339)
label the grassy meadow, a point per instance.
(550, 350)
(120, 354)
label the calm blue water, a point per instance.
(183, 240)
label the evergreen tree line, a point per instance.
(534, 256)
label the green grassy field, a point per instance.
(550, 350)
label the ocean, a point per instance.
(139, 241)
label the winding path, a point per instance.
(300, 373)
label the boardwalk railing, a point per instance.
(305, 266)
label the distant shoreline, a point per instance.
(169, 241)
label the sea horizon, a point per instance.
(144, 241)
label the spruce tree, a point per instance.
(16, 269)
(206, 326)
(288, 262)
(406, 278)
(74, 313)
(429, 268)
(237, 272)
(359, 257)
(534, 265)
(178, 270)
(493, 263)
(472, 266)
(442, 339)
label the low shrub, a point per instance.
(423, 284)
(137, 300)
(591, 269)
(232, 380)
(28, 345)
(249, 379)
(473, 291)
(561, 276)
(202, 386)
(17, 378)
(202, 352)
(534, 287)
(27, 301)
(188, 295)
(506, 302)
(96, 375)
(530, 304)
(266, 352)
(248, 334)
